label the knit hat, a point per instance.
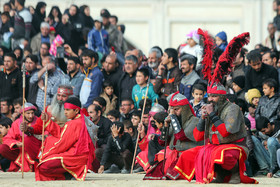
(240, 81)
(193, 34)
(252, 93)
(223, 36)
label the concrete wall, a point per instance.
(166, 22)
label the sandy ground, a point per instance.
(104, 180)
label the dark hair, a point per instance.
(101, 101)
(160, 117)
(21, 2)
(254, 56)
(91, 54)
(147, 110)
(163, 102)
(171, 52)
(107, 83)
(6, 122)
(8, 4)
(190, 58)
(28, 48)
(119, 125)
(198, 87)
(8, 100)
(271, 83)
(33, 58)
(272, 55)
(6, 14)
(58, 10)
(242, 54)
(232, 98)
(12, 55)
(261, 122)
(74, 100)
(128, 99)
(144, 71)
(97, 108)
(75, 59)
(128, 124)
(137, 113)
(264, 49)
(148, 103)
(114, 113)
(47, 44)
(115, 17)
(242, 104)
(18, 101)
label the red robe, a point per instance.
(71, 145)
(142, 157)
(201, 160)
(32, 146)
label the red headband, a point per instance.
(71, 106)
(65, 91)
(214, 90)
(180, 103)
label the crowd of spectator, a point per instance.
(111, 80)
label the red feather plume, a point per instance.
(207, 53)
(224, 64)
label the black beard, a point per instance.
(153, 123)
(73, 71)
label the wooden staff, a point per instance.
(45, 99)
(23, 111)
(143, 109)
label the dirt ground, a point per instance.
(104, 180)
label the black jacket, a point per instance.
(116, 146)
(126, 84)
(114, 77)
(255, 79)
(11, 84)
(104, 131)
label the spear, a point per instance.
(143, 109)
(45, 98)
(23, 111)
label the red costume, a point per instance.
(10, 151)
(69, 149)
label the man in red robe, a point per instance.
(11, 148)
(69, 149)
(225, 149)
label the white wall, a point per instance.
(166, 22)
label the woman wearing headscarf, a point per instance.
(38, 17)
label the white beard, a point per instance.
(57, 110)
(153, 65)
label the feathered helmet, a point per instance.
(224, 64)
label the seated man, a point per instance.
(119, 150)
(5, 125)
(226, 151)
(11, 148)
(68, 150)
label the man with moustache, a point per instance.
(55, 78)
(12, 142)
(188, 64)
(154, 60)
(222, 123)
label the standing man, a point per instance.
(75, 75)
(22, 26)
(92, 84)
(188, 64)
(31, 63)
(10, 78)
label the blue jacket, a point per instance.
(91, 87)
(139, 93)
(186, 84)
(98, 41)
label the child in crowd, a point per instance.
(135, 119)
(109, 96)
(238, 84)
(5, 125)
(139, 90)
(221, 40)
(198, 92)
(252, 97)
(113, 115)
(269, 104)
(131, 130)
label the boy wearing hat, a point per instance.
(98, 38)
(238, 85)
(12, 142)
(252, 96)
(221, 40)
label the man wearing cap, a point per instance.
(69, 150)
(98, 38)
(182, 121)
(222, 123)
(12, 142)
